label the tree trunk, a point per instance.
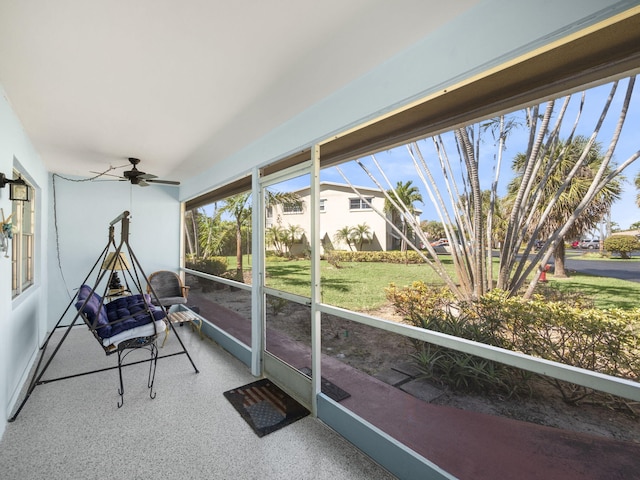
(239, 273)
(559, 257)
(187, 232)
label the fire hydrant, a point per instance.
(543, 273)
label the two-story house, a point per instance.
(340, 207)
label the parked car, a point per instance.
(442, 241)
(575, 244)
(591, 243)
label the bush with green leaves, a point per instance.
(622, 244)
(211, 265)
(605, 341)
(409, 256)
(435, 308)
(331, 256)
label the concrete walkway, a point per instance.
(467, 444)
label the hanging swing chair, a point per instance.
(121, 318)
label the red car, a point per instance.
(575, 244)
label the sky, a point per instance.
(397, 165)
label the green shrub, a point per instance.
(211, 265)
(435, 308)
(622, 244)
(331, 256)
(605, 341)
(409, 256)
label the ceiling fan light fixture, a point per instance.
(138, 177)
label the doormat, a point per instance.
(331, 390)
(265, 407)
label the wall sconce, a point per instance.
(18, 189)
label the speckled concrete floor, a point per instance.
(72, 429)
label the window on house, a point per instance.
(360, 203)
(292, 208)
(22, 245)
(323, 205)
(269, 212)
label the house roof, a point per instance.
(343, 186)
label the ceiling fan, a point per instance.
(138, 177)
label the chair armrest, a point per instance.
(185, 291)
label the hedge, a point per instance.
(410, 256)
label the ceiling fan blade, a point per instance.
(135, 176)
(166, 182)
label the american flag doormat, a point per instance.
(265, 407)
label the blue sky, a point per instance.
(398, 166)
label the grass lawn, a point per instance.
(606, 292)
(355, 285)
(603, 258)
(360, 286)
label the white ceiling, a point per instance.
(186, 83)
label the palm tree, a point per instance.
(633, 226)
(239, 206)
(565, 156)
(290, 235)
(490, 208)
(212, 234)
(343, 235)
(282, 198)
(240, 209)
(191, 232)
(275, 236)
(474, 213)
(457, 197)
(404, 195)
(433, 229)
(359, 234)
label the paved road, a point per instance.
(624, 270)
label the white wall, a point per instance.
(84, 211)
(21, 320)
(338, 215)
(82, 214)
(486, 35)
